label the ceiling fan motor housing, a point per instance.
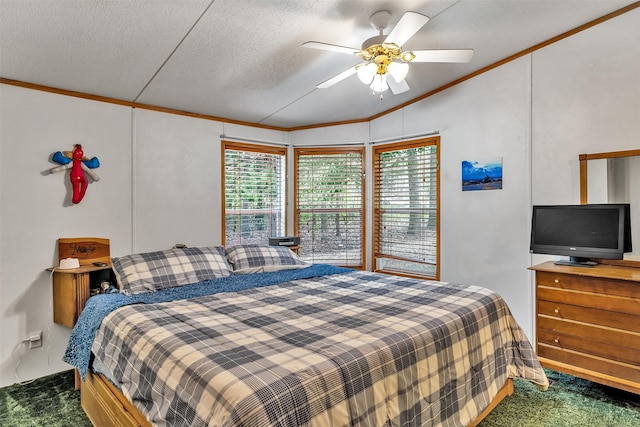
(372, 41)
(380, 20)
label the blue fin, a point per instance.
(60, 158)
(92, 163)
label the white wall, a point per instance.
(176, 181)
(160, 177)
(586, 99)
(36, 210)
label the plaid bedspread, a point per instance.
(355, 349)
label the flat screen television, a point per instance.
(581, 232)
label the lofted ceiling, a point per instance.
(244, 61)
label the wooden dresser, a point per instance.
(588, 322)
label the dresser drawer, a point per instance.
(596, 364)
(599, 285)
(589, 345)
(596, 316)
(601, 334)
(612, 303)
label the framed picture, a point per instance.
(482, 174)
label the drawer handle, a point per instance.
(557, 281)
(556, 311)
(556, 340)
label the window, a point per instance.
(329, 205)
(406, 215)
(254, 193)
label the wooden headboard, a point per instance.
(87, 249)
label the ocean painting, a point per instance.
(482, 174)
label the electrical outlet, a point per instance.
(35, 339)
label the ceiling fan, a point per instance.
(382, 55)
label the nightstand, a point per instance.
(72, 288)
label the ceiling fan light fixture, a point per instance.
(398, 70)
(366, 72)
(379, 83)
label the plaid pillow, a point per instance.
(258, 259)
(152, 271)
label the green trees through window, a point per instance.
(329, 205)
(254, 193)
(406, 231)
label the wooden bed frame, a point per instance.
(106, 406)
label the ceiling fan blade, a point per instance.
(396, 87)
(331, 47)
(443, 55)
(333, 80)
(408, 25)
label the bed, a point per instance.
(253, 336)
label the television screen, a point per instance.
(581, 231)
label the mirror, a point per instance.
(614, 177)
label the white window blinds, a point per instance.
(406, 223)
(329, 205)
(254, 193)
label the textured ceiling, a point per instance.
(243, 60)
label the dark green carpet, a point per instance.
(570, 401)
(48, 401)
